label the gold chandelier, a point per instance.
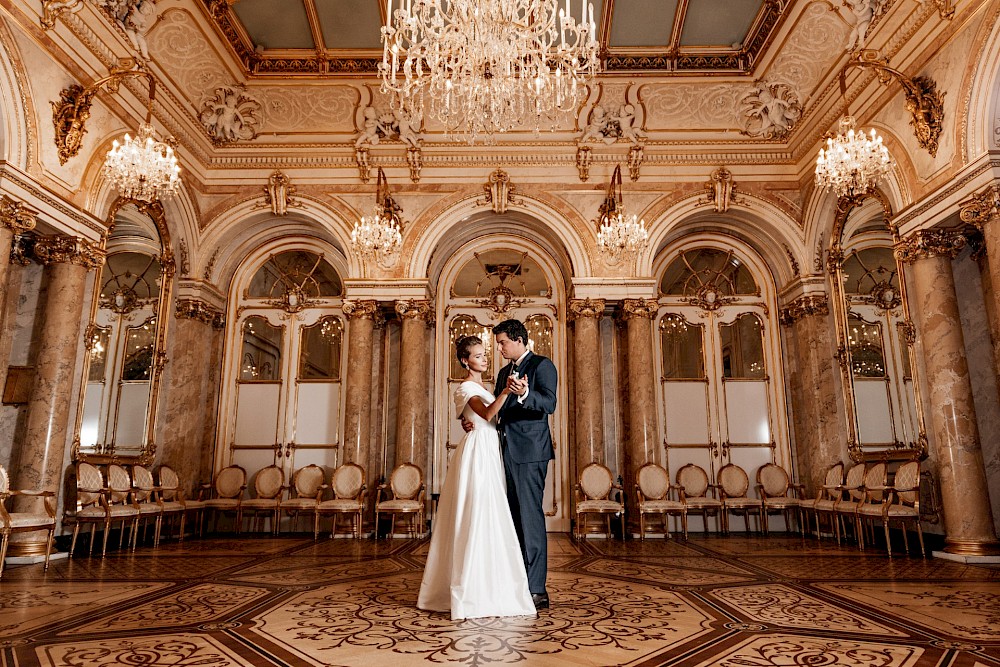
(620, 235)
(379, 236)
(853, 162)
(482, 68)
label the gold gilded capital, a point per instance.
(196, 309)
(362, 310)
(586, 308)
(633, 309)
(413, 309)
(981, 207)
(58, 249)
(16, 216)
(928, 243)
(805, 306)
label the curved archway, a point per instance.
(981, 95)
(15, 130)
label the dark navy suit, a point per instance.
(527, 450)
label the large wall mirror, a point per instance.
(125, 338)
(875, 334)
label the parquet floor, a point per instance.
(736, 601)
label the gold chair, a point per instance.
(226, 494)
(120, 495)
(652, 489)
(851, 493)
(174, 501)
(826, 499)
(593, 496)
(308, 487)
(873, 492)
(348, 483)
(145, 496)
(97, 504)
(268, 484)
(25, 522)
(778, 494)
(734, 483)
(406, 483)
(902, 505)
(693, 486)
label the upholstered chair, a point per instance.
(593, 496)
(25, 522)
(306, 492)
(120, 494)
(348, 484)
(146, 497)
(902, 504)
(778, 494)
(824, 504)
(226, 494)
(734, 483)
(98, 505)
(268, 484)
(404, 494)
(874, 492)
(694, 487)
(174, 502)
(851, 493)
(652, 490)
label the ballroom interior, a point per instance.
(777, 430)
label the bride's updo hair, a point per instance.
(463, 348)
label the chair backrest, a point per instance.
(834, 477)
(854, 479)
(142, 480)
(405, 481)
(268, 482)
(596, 481)
(308, 480)
(89, 482)
(693, 479)
(4, 480)
(653, 481)
(875, 477)
(907, 482)
(230, 481)
(773, 480)
(347, 481)
(169, 483)
(734, 481)
(119, 483)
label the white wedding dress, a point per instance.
(474, 567)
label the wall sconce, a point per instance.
(142, 168)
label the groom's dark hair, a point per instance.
(514, 329)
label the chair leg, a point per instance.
(72, 545)
(684, 524)
(642, 526)
(48, 549)
(906, 541)
(107, 529)
(888, 544)
(920, 537)
(3, 551)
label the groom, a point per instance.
(526, 445)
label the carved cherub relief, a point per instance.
(232, 115)
(769, 110)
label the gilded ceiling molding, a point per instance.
(15, 216)
(929, 243)
(804, 306)
(200, 311)
(59, 249)
(634, 309)
(579, 309)
(52, 9)
(363, 309)
(413, 309)
(981, 207)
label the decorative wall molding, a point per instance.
(60, 249)
(807, 305)
(499, 192)
(196, 309)
(929, 243)
(415, 309)
(15, 216)
(362, 309)
(981, 207)
(632, 309)
(585, 308)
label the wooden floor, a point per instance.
(735, 601)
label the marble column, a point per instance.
(642, 443)
(38, 462)
(362, 316)
(968, 521)
(414, 388)
(588, 399)
(817, 410)
(188, 399)
(983, 211)
(15, 218)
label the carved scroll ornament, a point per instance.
(59, 249)
(928, 243)
(586, 308)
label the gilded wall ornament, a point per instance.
(636, 154)
(278, 194)
(361, 157)
(583, 160)
(53, 9)
(708, 297)
(791, 259)
(633, 309)
(415, 309)
(185, 259)
(210, 267)
(807, 305)
(59, 249)
(22, 249)
(721, 191)
(69, 118)
(769, 110)
(231, 115)
(15, 216)
(200, 311)
(981, 207)
(928, 243)
(415, 160)
(365, 309)
(499, 192)
(293, 300)
(610, 127)
(585, 309)
(393, 125)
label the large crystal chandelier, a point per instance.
(484, 67)
(620, 236)
(143, 168)
(379, 236)
(853, 162)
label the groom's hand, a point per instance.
(467, 425)
(517, 385)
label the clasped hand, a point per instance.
(516, 386)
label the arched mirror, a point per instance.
(875, 334)
(125, 339)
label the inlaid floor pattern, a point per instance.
(732, 602)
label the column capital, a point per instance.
(365, 309)
(927, 243)
(585, 308)
(59, 249)
(633, 309)
(415, 309)
(981, 207)
(16, 216)
(806, 305)
(196, 309)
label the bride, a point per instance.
(474, 567)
